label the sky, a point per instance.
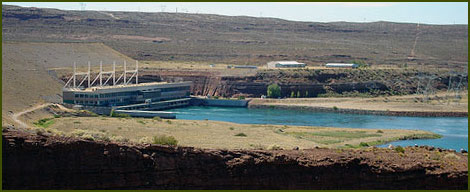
(404, 12)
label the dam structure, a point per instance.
(106, 92)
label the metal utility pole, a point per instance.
(74, 74)
(125, 73)
(136, 72)
(114, 73)
(89, 70)
(101, 73)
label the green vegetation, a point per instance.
(363, 144)
(346, 134)
(141, 122)
(380, 131)
(292, 94)
(335, 108)
(90, 135)
(231, 128)
(298, 94)
(361, 64)
(164, 140)
(241, 97)
(114, 114)
(44, 123)
(168, 121)
(240, 135)
(157, 118)
(274, 91)
(421, 136)
(274, 147)
(400, 149)
(57, 116)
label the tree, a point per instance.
(298, 94)
(292, 94)
(274, 91)
(306, 93)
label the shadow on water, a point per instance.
(453, 129)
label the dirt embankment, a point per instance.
(46, 162)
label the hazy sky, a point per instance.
(431, 13)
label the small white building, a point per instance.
(342, 65)
(285, 64)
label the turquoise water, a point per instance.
(453, 129)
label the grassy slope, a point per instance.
(215, 134)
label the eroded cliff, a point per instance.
(48, 162)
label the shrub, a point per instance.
(241, 97)
(44, 123)
(231, 128)
(57, 116)
(257, 146)
(164, 140)
(141, 122)
(360, 63)
(119, 139)
(157, 118)
(90, 135)
(274, 91)
(399, 149)
(363, 144)
(145, 140)
(274, 147)
(240, 135)
(114, 114)
(168, 121)
(335, 108)
(380, 131)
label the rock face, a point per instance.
(307, 83)
(50, 162)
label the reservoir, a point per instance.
(453, 129)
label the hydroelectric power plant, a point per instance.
(106, 92)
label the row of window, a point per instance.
(130, 93)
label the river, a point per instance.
(453, 129)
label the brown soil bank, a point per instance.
(46, 162)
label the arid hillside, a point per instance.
(27, 78)
(241, 40)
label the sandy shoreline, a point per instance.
(409, 105)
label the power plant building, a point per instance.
(122, 90)
(285, 64)
(118, 95)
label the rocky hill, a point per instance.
(241, 40)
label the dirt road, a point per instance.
(16, 116)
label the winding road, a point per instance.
(16, 116)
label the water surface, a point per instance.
(453, 129)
